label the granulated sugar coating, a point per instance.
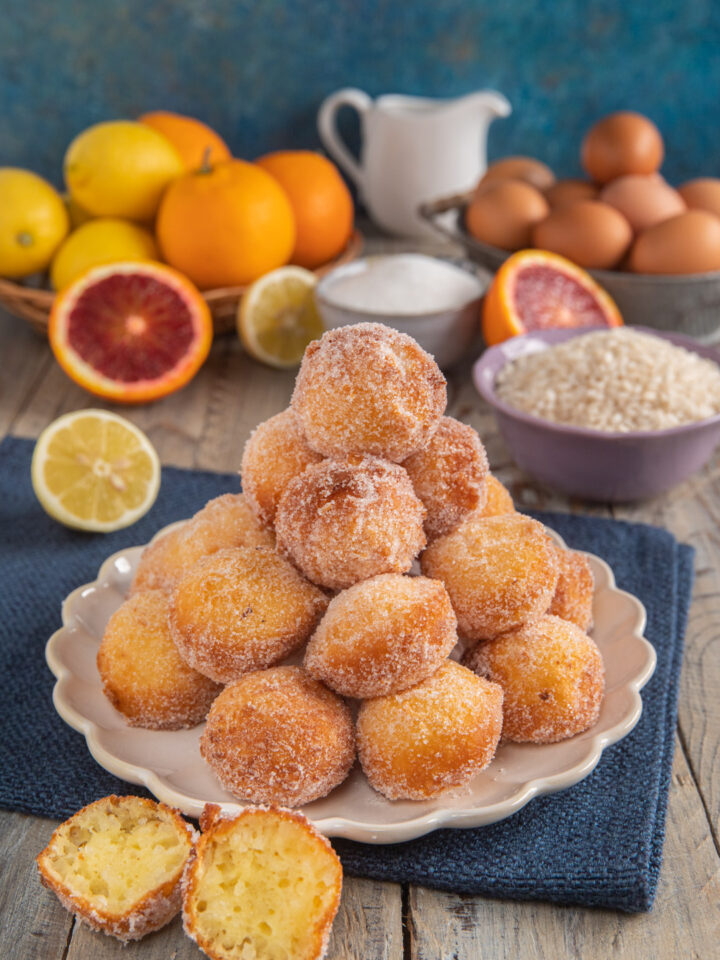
(552, 675)
(342, 521)
(276, 452)
(498, 499)
(240, 610)
(382, 636)
(278, 736)
(499, 572)
(226, 521)
(436, 736)
(573, 598)
(618, 380)
(449, 476)
(368, 389)
(142, 673)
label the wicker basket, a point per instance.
(33, 304)
(688, 304)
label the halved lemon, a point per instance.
(278, 317)
(93, 470)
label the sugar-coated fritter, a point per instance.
(499, 571)
(278, 736)
(449, 475)
(382, 636)
(276, 452)
(573, 598)
(552, 675)
(368, 389)
(342, 521)
(242, 609)
(142, 673)
(435, 736)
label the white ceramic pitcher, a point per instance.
(414, 149)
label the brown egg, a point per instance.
(520, 168)
(622, 143)
(591, 234)
(643, 200)
(687, 243)
(504, 214)
(565, 192)
(702, 194)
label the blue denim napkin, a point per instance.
(599, 843)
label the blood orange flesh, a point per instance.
(546, 297)
(131, 332)
(538, 290)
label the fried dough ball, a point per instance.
(278, 736)
(226, 521)
(276, 452)
(143, 675)
(342, 521)
(573, 598)
(433, 737)
(264, 884)
(117, 864)
(382, 636)
(242, 609)
(368, 389)
(497, 500)
(552, 675)
(449, 476)
(499, 572)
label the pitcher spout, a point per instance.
(490, 101)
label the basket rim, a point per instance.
(41, 296)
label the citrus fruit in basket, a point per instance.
(321, 202)
(33, 222)
(100, 241)
(191, 138)
(94, 470)
(120, 169)
(278, 317)
(538, 290)
(226, 225)
(130, 332)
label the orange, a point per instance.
(227, 225)
(320, 200)
(191, 138)
(130, 332)
(538, 290)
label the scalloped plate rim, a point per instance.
(395, 832)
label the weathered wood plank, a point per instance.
(692, 513)
(369, 922)
(33, 926)
(684, 923)
(25, 359)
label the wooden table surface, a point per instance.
(205, 426)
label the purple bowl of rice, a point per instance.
(596, 464)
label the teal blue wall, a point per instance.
(257, 71)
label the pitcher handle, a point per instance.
(327, 127)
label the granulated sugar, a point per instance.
(616, 381)
(404, 284)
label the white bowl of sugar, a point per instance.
(433, 300)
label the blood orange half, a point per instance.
(538, 290)
(131, 332)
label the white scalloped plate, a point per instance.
(169, 764)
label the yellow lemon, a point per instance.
(94, 470)
(120, 169)
(33, 222)
(98, 242)
(278, 317)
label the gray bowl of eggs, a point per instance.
(654, 248)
